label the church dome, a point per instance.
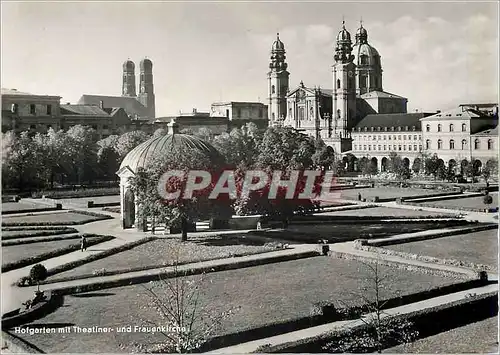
(365, 55)
(140, 156)
(129, 65)
(278, 45)
(146, 64)
(344, 35)
(361, 35)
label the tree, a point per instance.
(432, 165)
(367, 166)
(490, 169)
(160, 132)
(82, 152)
(188, 131)
(324, 156)
(488, 200)
(397, 166)
(239, 147)
(205, 133)
(128, 141)
(19, 160)
(108, 160)
(180, 303)
(380, 329)
(38, 273)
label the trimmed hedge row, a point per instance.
(33, 210)
(168, 274)
(445, 198)
(38, 240)
(112, 209)
(105, 191)
(427, 322)
(96, 239)
(141, 268)
(326, 312)
(38, 234)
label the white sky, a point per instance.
(437, 54)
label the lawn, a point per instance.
(18, 252)
(35, 233)
(162, 252)
(53, 218)
(466, 202)
(477, 247)
(22, 206)
(386, 212)
(478, 337)
(265, 294)
(386, 192)
(341, 232)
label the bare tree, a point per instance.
(379, 328)
(180, 304)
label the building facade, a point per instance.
(357, 92)
(193, 121)
(241, 113)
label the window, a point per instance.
(451, 127)
(452, 144)
(338, 83)
(428, 128)
(261, 112)
(364, 147)
(464, 127)
(385, 138)
(369, 147)
(32, 109)
(414, 138)
(355, 147)
(399, 128)
(409, 147)
(477, 144)
(389, 137)
(399, 137)
(379, 147)
(379, 138)
(415, 147)
(369, 137)
(464, 144)
(272, 115)
(490, 144)
(394, 138)
(227, 113)
(273, 89)
(364, 59)
(385, 147)
(406, 128)
(238, 112)
(440, 144)
(428, 144)
(339, 113)
(439, 127)
(399, 147)
(49, 110)
(371, 129)
(404, 147)
(404, 137)
(413, 128)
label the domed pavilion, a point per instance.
(140, 156)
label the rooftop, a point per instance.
(21, 93)
(457, 113)
(381, 94)
(402, 120)
(83, 110)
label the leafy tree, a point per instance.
(108, 160)
(490, 169)
(82, 152)
(205, 133)
(239, 148)
(432, 165)
(339, 168)
(19, 160)
(38, 273)
(367, 166)
(128, 141)
(187, 131)
(487, 199)
(324, 156)
(397, 166)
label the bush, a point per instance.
(78, 193)
(38, 273)
(488, 200)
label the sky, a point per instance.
(437, 54)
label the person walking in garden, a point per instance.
(83, 243)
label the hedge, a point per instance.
(458, 208)
(96, 239)
(106, 191)
(328, 313)
(188, 272)
(427, 322)
(38, 234)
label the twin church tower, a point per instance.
(329, 114)
(146, 90)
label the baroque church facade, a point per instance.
(331, 114)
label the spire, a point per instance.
(343, 48)
(278, 55)
(361, 33)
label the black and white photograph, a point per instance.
(236, 177)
